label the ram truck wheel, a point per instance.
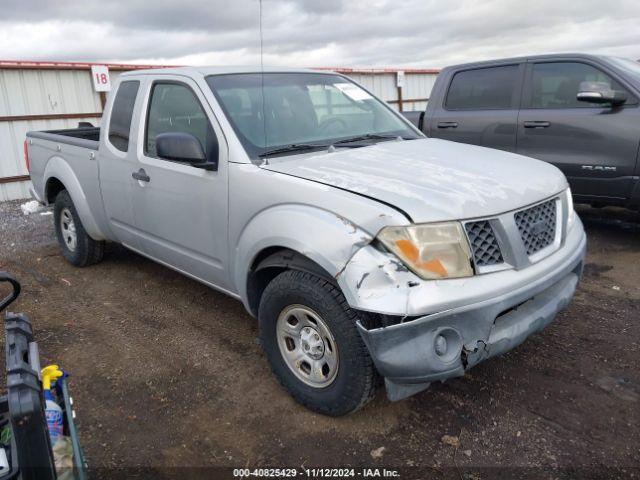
(78, 248)
(309, 335)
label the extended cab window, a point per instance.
(483, 89)
(175, 108)
(556, 85)
(121, 113)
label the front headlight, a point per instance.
(571, 213)
(431, 251)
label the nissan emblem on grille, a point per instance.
(537, 226)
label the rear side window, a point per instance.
(175, 108)
(483, 89)
(556, 85)
(121, 113)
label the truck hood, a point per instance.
(431, 180)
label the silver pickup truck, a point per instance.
(364, 249)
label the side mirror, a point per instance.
(184, 148)
(600, 92)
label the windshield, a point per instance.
(302, 109)
(629, 66)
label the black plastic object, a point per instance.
(30, 456)
(186, 148)
(10, 279)
(26, 402)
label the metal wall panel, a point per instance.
(384, 85)
(417, 85)
(39, 92)
(14, 191)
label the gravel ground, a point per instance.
(168, 373)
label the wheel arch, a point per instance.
(60, 176)
(272, 261)
(51, 189)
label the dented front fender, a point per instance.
(377, 281)
(326, 238)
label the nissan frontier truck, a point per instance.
(364, 249)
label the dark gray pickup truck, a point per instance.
(578, 112)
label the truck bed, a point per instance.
(73, 149)
(87, 137)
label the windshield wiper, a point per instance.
(293, 147)
(370, 136)
(296, 147)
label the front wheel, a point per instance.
(309, 335)
(78, 248)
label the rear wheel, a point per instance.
(78, 248)
(309, 335)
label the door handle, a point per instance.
(536, 124)
(141, 176)
(447, 125)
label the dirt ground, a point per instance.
(166, 373)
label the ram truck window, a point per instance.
(363, 249)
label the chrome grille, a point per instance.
(537, 226)
(484, 245)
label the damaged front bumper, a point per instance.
(442, 345)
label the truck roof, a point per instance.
(551, 56)
(220, 70)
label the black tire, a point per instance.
(355, 382)
(87, 251)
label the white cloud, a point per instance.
(410, 33)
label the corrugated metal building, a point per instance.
(383, 83)
(41, 96)
(47, 96)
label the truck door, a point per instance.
(116, 159)
(181, 210)
(594, 145)
(480, 106)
